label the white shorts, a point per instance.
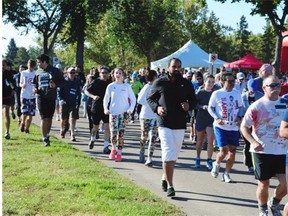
(171, 143)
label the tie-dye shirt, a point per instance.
(264, 116)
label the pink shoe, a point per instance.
(118, 158)
(112, 154)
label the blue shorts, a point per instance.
(200, 126)
(224, 137)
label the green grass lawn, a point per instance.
(60, 180)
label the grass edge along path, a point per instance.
(60, 180)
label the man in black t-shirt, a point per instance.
(45, 82)
(96, 91)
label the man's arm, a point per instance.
(90, 91)
(192, 100)
(284, 129)
(246, 132)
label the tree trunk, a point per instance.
(80, 51)
(148, 60)
(277, 58)
(45, 44)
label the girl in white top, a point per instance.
(148, 121)
(28, 104)
(119, 102)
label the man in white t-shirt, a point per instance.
(27, 97)
(267, 147)
(225, 106)
(240, 84)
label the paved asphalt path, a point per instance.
(197, 192)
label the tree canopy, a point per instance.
(132, 33)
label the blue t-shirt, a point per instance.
(286, 116)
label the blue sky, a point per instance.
(228, 14)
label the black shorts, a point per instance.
(66, 110)
(98, 116)
(7, 101)
(266, 165)
(46, 107)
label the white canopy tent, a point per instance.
(191, 55)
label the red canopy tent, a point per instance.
(247, 62)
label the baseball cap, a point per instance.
(70, 69)
(198, 74)
(252, 85)
(134, 75)
(240, 75)
(205, 75)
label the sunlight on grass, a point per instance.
(61, 180)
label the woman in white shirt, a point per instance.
(148, 120)
(119, 102)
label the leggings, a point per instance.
(148, 129)
(118, 124)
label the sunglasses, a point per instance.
(274, 85)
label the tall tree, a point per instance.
(242, 35)
(269, 9)
(22, 57)
(268, 43)
(81, 15)
(11, 50)
(141, 22)
(45, 16)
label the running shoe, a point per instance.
(62, 133)
(263, 213)
(7, 135)
(112, 154)
(215, 169)
(73, 139)
(22, 127)
(13, 115)
(148, 163)
(106, 150)
(198, 163)
(97, 135)
(209, 164)
(171, 192)
(164, 185)
(226, 177)
(275, 208)
(118, 158)
(46, 141)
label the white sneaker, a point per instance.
(215, 170)
(264, 213)
(226, 178)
